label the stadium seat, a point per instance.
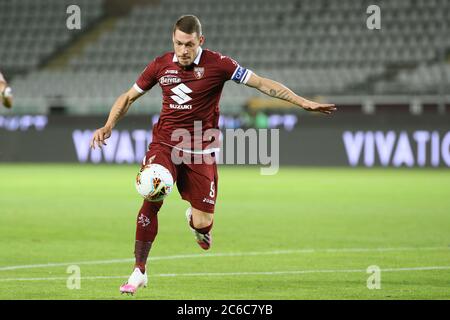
(314, 47)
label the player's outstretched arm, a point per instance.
(277, 90)
(118, 111)
(6, 95)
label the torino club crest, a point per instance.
(198, 72)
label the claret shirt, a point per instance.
(190, 94)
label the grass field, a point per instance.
(302, 234)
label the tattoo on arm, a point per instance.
(276, 90)
(118, 112)
(118, 115)
(283, 94)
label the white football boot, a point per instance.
(135, 281)
(203, 240)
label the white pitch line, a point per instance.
(63, 264)
(232, 274)
(229, 254)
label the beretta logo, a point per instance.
(169, 79)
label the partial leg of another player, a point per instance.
(201, 224)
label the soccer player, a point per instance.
(192, 80)
(6, 92)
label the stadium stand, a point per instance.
(314, 47)
(32, 31)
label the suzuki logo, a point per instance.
(180, 95)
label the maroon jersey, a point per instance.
(190, 94)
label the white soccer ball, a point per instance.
(154, 182)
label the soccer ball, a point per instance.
(154, 182)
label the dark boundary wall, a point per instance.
(338, 140)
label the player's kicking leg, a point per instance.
(202, 228)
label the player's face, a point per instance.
(186, 46)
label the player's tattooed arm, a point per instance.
(121, 106)
(277, 90)
(118, 111)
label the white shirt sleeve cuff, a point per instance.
(136, 87)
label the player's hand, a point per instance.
(99, 137)
(319, 107)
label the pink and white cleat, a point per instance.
(203, 240)
(135, 281)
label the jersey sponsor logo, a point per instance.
(199, 72)
(180, 96)
(166, 80)
(171, 72)
(180, 106)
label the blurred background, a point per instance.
(386, 81)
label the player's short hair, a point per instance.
(188, 24)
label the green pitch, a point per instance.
(302, 234)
